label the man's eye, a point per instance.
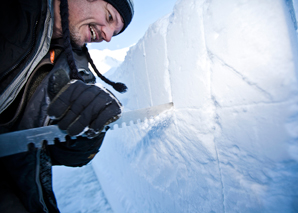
(110, 17)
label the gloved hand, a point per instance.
(76, 152)
(82, 108)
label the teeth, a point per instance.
(93, 34)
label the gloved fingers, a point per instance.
(90, 101)
(59, 106)
(83, 112)
(57, 81)
(79, 106)
(110, 114)
(76, 128)
(85, 107)
(67, 119)
(92, 112)
(64, 99)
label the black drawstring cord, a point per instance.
(74, 73)
(120, 87)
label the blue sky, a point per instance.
(146, 13)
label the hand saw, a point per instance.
(18, 141)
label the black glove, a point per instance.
(76, 152)
(82, 108)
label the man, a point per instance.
(45, 80)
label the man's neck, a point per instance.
(57, 28)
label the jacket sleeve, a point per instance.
(76, 152)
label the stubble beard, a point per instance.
(75, 38)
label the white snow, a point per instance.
(105, 60)
(230, 142)
(78, 190)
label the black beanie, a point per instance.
(125, 9)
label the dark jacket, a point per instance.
(25, 48)
(25, 34)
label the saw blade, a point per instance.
(140, 115)
(18, 141)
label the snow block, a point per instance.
(230, 143)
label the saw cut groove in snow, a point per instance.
(141, 114)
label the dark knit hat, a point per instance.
(125, 9)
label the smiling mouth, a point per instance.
(93, 34)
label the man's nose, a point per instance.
(107, 33)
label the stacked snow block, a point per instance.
(230, 144)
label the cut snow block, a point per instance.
(230, 144)
(187, 56)
(139, 94)
(255, 42)
(157, 71)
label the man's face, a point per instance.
(93, 21)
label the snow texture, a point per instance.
(107, 60)
(77, 190)
(230, 142)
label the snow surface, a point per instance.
(107, 60)
(230, 142)
(77, 190)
